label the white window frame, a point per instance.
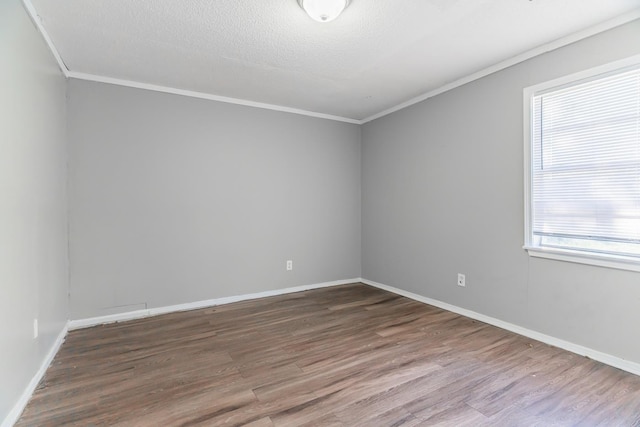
(576, 256)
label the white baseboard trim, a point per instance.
(608, 359)
(138, 314)
(13, 416)
(15, 413)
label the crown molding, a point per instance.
(37, 21)
(208, 96)
(556, 44)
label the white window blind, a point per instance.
(585, 171)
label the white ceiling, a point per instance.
(376, 55)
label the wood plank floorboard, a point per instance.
(348, 355)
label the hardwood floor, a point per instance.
(344, 356)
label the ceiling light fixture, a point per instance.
(323, 10)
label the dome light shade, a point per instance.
(323, 10)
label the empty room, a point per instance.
(320, 213)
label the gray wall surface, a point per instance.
(443, 194)
(33, 222)
(176, 199)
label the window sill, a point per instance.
(600, 260)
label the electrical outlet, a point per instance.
(35, 328)
(461, 280)
(289, 265)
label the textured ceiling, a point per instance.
(377, 54)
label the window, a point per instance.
(582, 161)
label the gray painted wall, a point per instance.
(443, 193)
(175, 199)
(33, 224)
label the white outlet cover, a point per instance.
(461, 280)
(35, 328)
